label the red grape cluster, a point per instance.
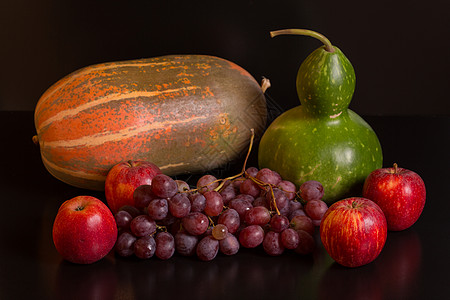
(256, 207)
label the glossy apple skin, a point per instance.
(124, 178)
(400, 193)
(84, 230)
(353, 231)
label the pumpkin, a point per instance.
(184, 113)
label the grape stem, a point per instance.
(161, 228)
(249, 149)
(264, 184)
(260, 183)
(328, 46)
(301, 200)
(211, 222)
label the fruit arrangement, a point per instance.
(310, 159)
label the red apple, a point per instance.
(353, 231)
(400, 193)
(84, 230)
(124, 178)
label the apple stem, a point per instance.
(79, 208)
(354, 204)
(395, 168)
(328, 46)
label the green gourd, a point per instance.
(322, 139)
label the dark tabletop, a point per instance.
(413, 265)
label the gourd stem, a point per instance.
(328, 46)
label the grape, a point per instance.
(123, 219)
(169, 220)
(297, 212)
(272, 243)
(289, 238)
(252, 171)
(158, 209)
(260, 201)
(186, 214)
(124, 244)
(228, 194)
(249, 187)
(142, 196)
(280, 198)
(251, 236)
(219, 232)
(311, 190)
(214, 203)
(257, 216)
(195, 223)
(133, 211)
(268, 176)
(284, 210)
(249, 198)
(226, 182)
(185, 244)
(207, 232)
(142, 225)
(198, 202)
(207, 248)
(294, 205)
(241, 206)
(145, 247)
(316, 209)
(183, 187)
(302, 223)
(288, 187)
(278, 223)
(237, 183)
(163, 186)
(207, 183)
(229, 245)
(179, 205)
(230, 218)
(165, 245)
(306, 243)
(316, 222)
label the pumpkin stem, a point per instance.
(265, 84)
(35, 139)
(320, 37)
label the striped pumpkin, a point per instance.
(185, 113)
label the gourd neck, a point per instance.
(326, 82)
(326, 78)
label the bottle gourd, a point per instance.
(322, 139)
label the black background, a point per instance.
(399, 49)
